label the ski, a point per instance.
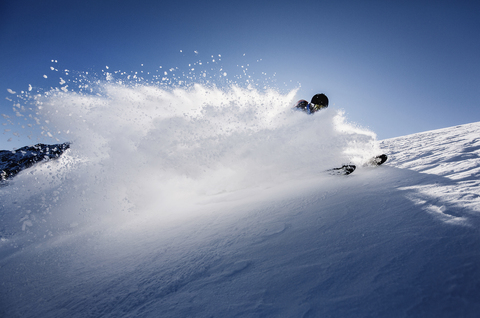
(343, 170)
(377, 160)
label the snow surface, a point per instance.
(203, 202)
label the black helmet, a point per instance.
(318, 102)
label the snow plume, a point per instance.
(142, 149)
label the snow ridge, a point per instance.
(12, 162)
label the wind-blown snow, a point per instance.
(214, 202)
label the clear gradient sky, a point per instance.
(396, 67)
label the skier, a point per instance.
(319, 101)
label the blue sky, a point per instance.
(396, 67)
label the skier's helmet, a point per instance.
(302, 104)
(318, 102)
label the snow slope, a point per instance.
(120, 228)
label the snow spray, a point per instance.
(141, 148)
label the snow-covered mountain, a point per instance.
(211, 230)
(12, 162)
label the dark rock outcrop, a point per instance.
(12, 162)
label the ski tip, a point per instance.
(377, 160)
(380, 159)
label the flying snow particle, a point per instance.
(29, 87)
(45, 76)
(10, 91)
(25, 224)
